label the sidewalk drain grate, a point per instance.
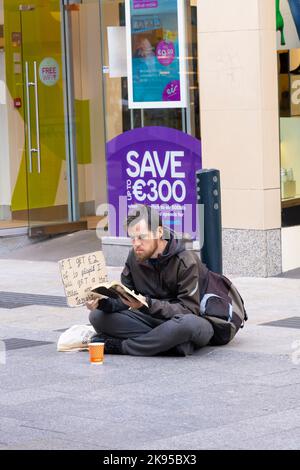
(11, 300)
(11, 305)
(20, 343)
(291, 322)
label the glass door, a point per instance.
(46, 171)
(84, 72)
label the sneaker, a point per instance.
(111, 345)
(98, 338)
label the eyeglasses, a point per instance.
(141, 237)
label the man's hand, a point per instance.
(132, 303)
(92, 304)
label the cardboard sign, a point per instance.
(80, 274)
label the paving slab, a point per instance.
(58, 247)
(243, 395)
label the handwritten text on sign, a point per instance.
(80, 274)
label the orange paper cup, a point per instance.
(96, 353)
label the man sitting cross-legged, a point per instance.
(170, 277)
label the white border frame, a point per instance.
(182, 63)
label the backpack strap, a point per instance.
(204, 286)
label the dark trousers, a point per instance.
(144, 335)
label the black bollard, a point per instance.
(209, 196)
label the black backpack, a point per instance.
(222, 305)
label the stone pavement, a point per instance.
(241, 396)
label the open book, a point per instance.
(117, 290)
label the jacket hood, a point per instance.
(173, 248)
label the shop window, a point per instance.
(289, 105)
(288, 45)
(116, 90)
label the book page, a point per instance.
(115, 289)
(123, 291)
(106, 290)
(80, 274)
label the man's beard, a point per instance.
(144, 255)
(141, 256)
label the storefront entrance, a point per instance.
(37, 157)
(43, 111)
(67, 98)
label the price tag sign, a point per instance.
(155, 166)
(49, 71)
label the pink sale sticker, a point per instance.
(165, 52)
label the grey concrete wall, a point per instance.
(255, 253)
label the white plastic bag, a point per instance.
(75, 338)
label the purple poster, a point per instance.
(154, 166)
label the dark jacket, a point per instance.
(177, 282)
(172, 283)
